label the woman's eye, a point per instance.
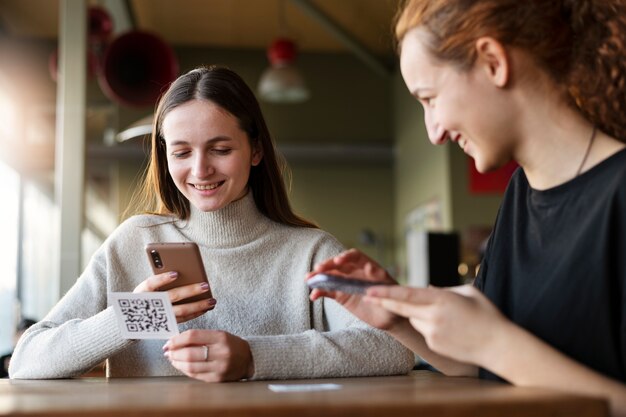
(180, 154)
(222, 151)
(427, 101)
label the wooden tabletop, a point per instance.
(421, 393)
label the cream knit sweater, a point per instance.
(256, 269)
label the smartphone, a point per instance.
(182, 257)
(338, 283)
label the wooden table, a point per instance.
(421, 393)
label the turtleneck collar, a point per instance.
(238, 223)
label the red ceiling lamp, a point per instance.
(282, 82)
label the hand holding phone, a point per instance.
(329, 282)
(185, 259)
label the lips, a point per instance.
(207, 187)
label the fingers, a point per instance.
(155, 282)
(317, 293)
(198, 362)
(188, 311)
(200, 353)
(187, 291)
(210, 355)
(339, 262)
(405, 294)
(401, 308)
(194, 337)
(466, 290)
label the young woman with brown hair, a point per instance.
(213, 179)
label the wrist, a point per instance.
(250, 369)
(400, 327)
(497, 345)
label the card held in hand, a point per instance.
(145, 315)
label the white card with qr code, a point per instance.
(145, 315)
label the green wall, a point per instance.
(346, 200)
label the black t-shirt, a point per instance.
(556, 265)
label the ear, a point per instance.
(257, 154)
(493, 57)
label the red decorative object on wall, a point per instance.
(494, 182)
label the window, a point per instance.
(9, 225)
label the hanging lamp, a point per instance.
(282, 82)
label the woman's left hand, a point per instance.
(210, 355)
(457, 322)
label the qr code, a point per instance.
(144, 315)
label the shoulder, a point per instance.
(308, 234)
(133, 228)
(606, 182)
(315, 240)
(142, 221)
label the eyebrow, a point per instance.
(210, 141)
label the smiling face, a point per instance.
(463, 106)
(209, 157)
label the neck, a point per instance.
(555, 145)
(238, 223)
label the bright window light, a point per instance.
(9, 212)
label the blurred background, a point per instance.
(78, 85)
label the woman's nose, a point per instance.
(436, 134)
(202, 167)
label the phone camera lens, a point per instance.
(156, 259)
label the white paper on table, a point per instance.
(303, 387)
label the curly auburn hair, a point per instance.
(579, 43)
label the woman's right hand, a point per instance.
(355, 264)
(183, 312)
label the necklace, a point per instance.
(582, 164)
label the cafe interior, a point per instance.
(353, 138)
(79, 81)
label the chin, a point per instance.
(204, 206)
(484, 166)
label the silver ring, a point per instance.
(206, 352)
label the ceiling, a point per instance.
(358, 27)
(226, 23)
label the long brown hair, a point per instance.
(579, 43)
(158, 193)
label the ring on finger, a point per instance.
(206, 353)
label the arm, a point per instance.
(80, 331)
(342, 346)
(77, 334)
(463, 324)
(412, 339)
(339, 345)
(356, 264)
(543, 366)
